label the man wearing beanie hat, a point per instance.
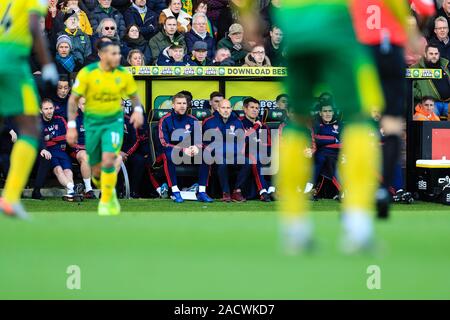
(81, 43)
(65, 61)
(234, 42)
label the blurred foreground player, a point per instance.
(353, 80)
(383, 26)
(19, 29)
(103, 84)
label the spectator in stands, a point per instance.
(413, 55)
(88, 5)
(228, 16)
(61, 98)
(326, 146)
(200, 55)
(136, 58)
(78, 152)
(173, 56)
(157, 6)
(425, 110)
(103, 11)
(275, 50)
(133, 40)
(54, 136)
(121, 5)
(257, 58)
(54, 20)
(8, 137)
(176, 134)
(199, 33)
(175, 10)
(258, 138)
(94, 57)
(444, 11)
(440, 38)
(235, 43)
(84, 23)
(223, 58)
(231, 156)
(65, 60)
(267, 15)
(438, 89)
(144, 18)
(81, 43)
(34, 61)
(214, 100)
(202, 7)
(215, 8)
(106, 28)
(187, 6)
(167, 36)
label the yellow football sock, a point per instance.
(96, 181)
(294, 172)
(360, 171)
(108, 183)
(22, 160)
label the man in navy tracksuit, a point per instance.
(325, 147)
(136, 155)
(8, 137)
(78, 152)
(54, 135)
(177, 133)
(230, 153)
(258, 138)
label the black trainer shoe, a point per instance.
(36, 195)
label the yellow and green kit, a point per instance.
(103, 116)
(18, 94)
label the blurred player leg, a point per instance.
(294, 167)
(24, 152)
(357, 96)
(391, 68)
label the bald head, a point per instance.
(224, 108)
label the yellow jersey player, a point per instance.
(103, 84)
(19, 30)
(335, 61)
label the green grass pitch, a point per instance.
(159, 250)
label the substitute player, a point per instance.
(382, 25)
(103, 84)
(19, 29)
(335, 60)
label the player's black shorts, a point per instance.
(392, 70)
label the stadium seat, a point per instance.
(274, 117)
(239, 113)
(156, 148)
(200, 113)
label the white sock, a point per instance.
(158, 190)
(262, 191)
(87, 185)
(201, 189)
(70, 187)
(175, 189)
(309, 187)
(271, 190)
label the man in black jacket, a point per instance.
(140, 15)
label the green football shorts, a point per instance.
(105, 135)
(18, 93)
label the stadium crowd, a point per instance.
(193, 33)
